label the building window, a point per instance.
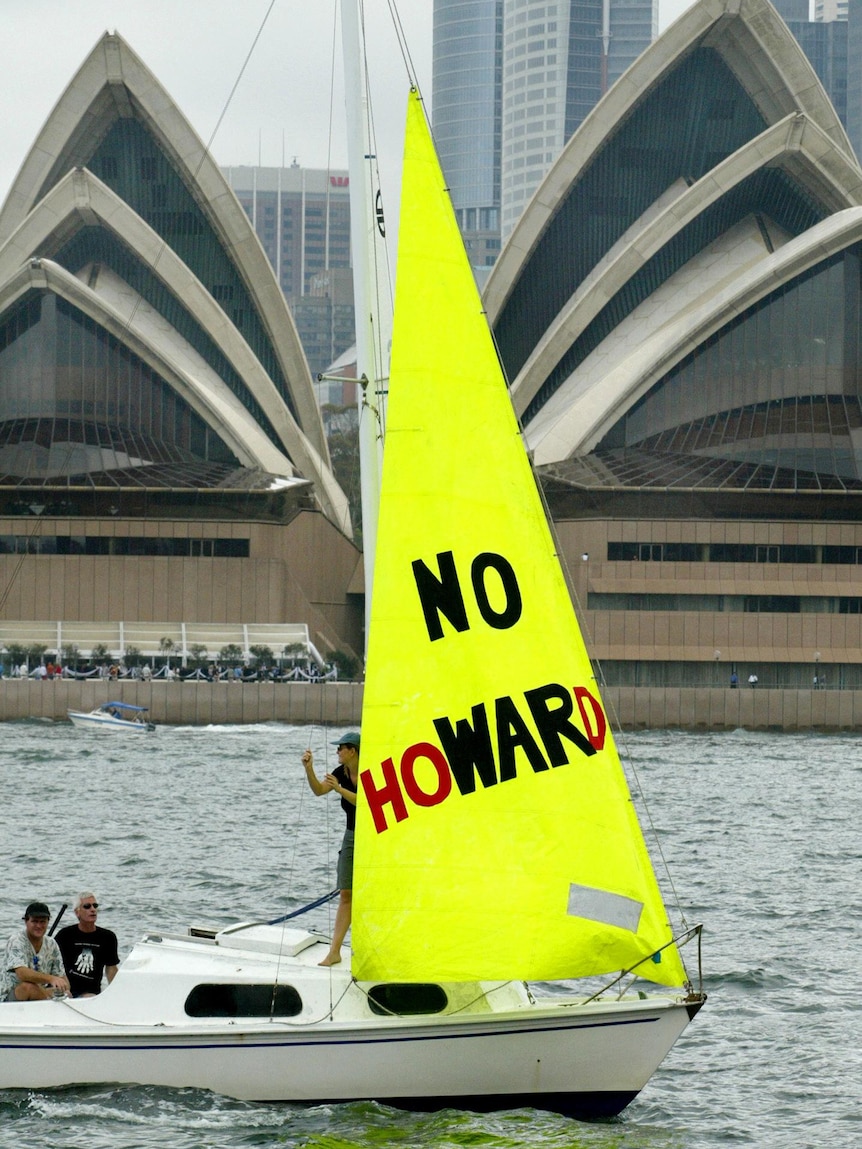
(773, 604)
(124, 546)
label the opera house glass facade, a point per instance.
(94, 405)
(163, 463)
(678, 312)
(776, 388)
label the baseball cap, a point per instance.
(351, 738)
(37, 910)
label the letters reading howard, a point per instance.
(470, 752)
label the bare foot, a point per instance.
(331, 959)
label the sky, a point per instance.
(282, 107)
(197, 49)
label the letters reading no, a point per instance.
(440, 594)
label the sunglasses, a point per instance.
(89, 905)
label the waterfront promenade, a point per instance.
(340, 704)
(195, 703)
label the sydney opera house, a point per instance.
(679, 311)
(163, 463)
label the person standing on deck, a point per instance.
(344, 781)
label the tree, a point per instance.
(17, 653)
(295, 652)
(134, 656)
(166, 646)
(262, 655)
(198, 655)
(71, 655)
(36, 653)
(346, 664)
(231, 654)
(100, 653)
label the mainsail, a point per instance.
(496, 835)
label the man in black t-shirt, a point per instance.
(88, 950)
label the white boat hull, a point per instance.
(587, 1060)
(97, 721)
(591, 1069)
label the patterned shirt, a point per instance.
(19, 951)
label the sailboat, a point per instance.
(497, 845)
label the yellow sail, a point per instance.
(496, 836)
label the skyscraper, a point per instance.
(302, 218)
(513, 79)
(854, 74)
(467, 87)
(832, 41)
(558, 61)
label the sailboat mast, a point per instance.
(371, 286)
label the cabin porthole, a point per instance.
(228, 1000)
(405, 999)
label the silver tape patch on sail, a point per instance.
(602, 906)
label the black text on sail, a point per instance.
(471, 755)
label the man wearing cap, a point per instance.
(32, 966)
(343, 780)
(88, 950)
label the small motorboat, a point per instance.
(114, 716)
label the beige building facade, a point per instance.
(679, 312)
(654, 619)
(162, 457)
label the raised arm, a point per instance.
(317, 785)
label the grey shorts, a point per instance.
(344, 874)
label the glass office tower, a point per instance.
(558, 61)
(466, 114)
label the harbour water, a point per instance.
(216, 824)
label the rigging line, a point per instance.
(329, 139)
(249, 54)
(402, 44)
(282, 920)
(207, 152)
(303, 785)
(303, 909)
(626, 758)
(309, 1022)
(678, 940)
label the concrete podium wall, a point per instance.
(188, 703)
(719, 708)
(340, 704)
